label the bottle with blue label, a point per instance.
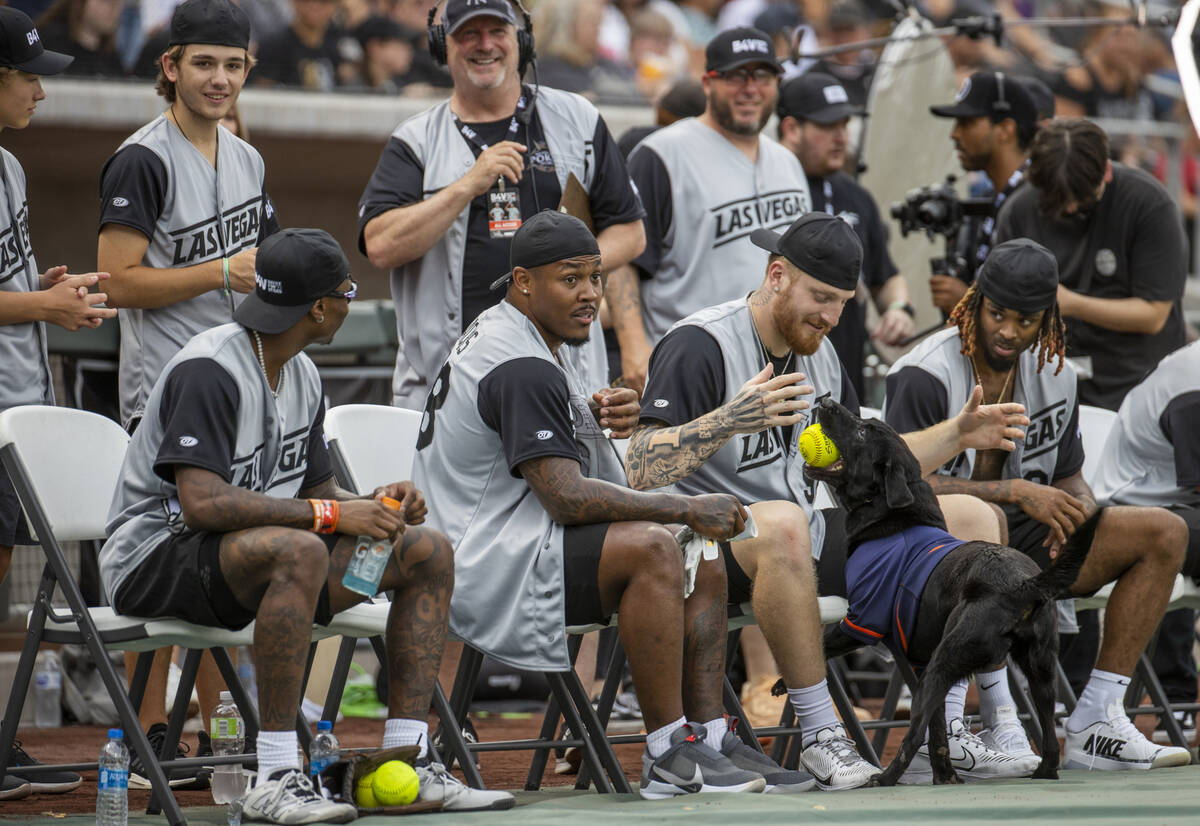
(112, 787)
(325, 752)
(368, 561)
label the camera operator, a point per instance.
(995, 120)
(814, 112)
(1121, 252)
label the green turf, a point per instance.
(1166, 796)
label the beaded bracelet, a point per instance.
(225, 271)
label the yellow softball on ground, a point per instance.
(364, 795)
(395, 784)
(816, 448)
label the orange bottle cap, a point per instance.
(389, 502)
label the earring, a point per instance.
(321, 320)
(525, 291)
(776, 289)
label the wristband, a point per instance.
(225, 272)
(326, 513)
(904, 305)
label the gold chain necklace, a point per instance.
(1003, 389)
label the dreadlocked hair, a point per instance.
(1051, 338)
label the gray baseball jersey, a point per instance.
(160, 185)
(703, 198)
(1152, 456)
(500, 399)
(931, 382)
(212, 408)
(22, 346)
(689, 377)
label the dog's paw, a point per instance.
(951, 779)
(1046, 772)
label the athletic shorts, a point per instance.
(14, 529)
(831, 567)
(582, 545)
(182, 579)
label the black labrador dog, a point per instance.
(982, 601)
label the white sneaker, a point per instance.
(288, 797)
(971, 758)
(455, 795)
(834, 763)
(1006, 734)
(1116, 745)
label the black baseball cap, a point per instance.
(213, 22)
(458, 12)
(21, 46)
(1020, 275)
(738, 47)
(293, 269)
(817, 97)
(545, 238)
(991, 94)
(1043, 97)
(824, 246)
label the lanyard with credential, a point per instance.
(514, 125)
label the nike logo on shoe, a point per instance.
(1104, 746)
(692, 785)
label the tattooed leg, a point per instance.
(705, 624)
(641, 577)
(421, 574)
(279, 573)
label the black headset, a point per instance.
(525, 53)
(1000, 104)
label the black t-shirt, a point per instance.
(1133, 245)
(840, 195)
(87, 62)
(687, 372)
(398, 181)
(1180, 423)
(199, 408)
(524, 391)
(285, 60)
(136, 178)
(916, 399)
(654, 188)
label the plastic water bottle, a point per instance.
(228, 735)
(47, 701)
(370, 558)
(325, 752)
(112, 795)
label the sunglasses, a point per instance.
(348, 295)
(740, 77)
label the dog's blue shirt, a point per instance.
(884, 581)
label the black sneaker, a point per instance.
(46, 783)
(188, 779)
(779, 780)
(14, 788)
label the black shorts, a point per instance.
(1191, 562)
(831, 567)
(582, 545)
(14, 529)
(1026, 534)
(182, 579)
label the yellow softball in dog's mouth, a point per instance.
(816, 448)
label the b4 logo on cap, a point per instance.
(963, 91)
(835, 94)
(750, 45)
(32, 36)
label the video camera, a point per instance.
(937, 210)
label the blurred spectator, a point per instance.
(1043, 98)
(653, 53)
(848, 22)
(1109, 82)
(969, 54)
(568, 40)
(683, 100)
(234, 123)
(312, 53)
(701, 19)
(86, 30)
(387, 53)
(780, 21)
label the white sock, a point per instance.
(1102, 690)
(716, 732)
(402, 731)
(276, 750)
(956, 700)
(659, 740)
(814, 711)
(993, 693)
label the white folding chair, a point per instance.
(65, 465)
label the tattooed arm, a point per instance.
(209, 503)
(573, 499)
(1062, 506)
(659, 455)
